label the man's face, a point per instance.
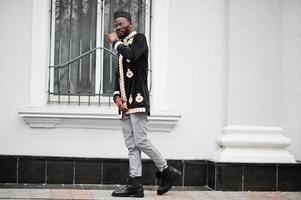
(123, 27)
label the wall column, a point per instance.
(252, 130)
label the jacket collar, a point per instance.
(130, 35)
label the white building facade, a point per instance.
(225, 85)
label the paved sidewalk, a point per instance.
(6, 193)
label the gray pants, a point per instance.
(134, 129)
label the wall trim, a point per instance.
(253, 144)
(96, 117)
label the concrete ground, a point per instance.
(105, 194)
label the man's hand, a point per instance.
(111, 36)
(121, 103)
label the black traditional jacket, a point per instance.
(132, 71)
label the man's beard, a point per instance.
(123, 35)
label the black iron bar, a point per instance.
(80, 72)
(80, 51)
(70, 52)
(101, 53)
(50, 50)
(90, 76)
(87, 52)
(59, 75)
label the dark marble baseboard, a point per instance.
(93, 187)
(254, 177)
(25, 171)
(59, 170)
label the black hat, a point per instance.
(123, 14)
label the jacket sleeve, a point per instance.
(135, 50)
(116, 87)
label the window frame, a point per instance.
(39, 114)
(97, 99)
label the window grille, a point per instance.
(82, 62)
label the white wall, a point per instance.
(193, 138)
(255, 62)
(196, 78)
(15, 52)
(16, 138)
(291, 73)
(197, 84)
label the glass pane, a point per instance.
(62, 43)
(75, 33)
(75, 44)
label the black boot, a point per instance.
(134, 188)
(167, 177)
